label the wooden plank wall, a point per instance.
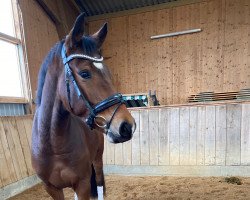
(198, 136)
(202, 135)
(15, 159)
(40, 36)
(41, 33)
(216, 59)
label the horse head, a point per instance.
(86, 88)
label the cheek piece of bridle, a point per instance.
(98, 108)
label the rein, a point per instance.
(115, 99)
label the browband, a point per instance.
(82, 56)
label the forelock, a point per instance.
(89, 45)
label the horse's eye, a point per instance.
(85, 74)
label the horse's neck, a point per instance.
(52, 117)
(48, 119)
(55, 129)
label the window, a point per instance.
(14, 82)
(12, 70)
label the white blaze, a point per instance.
(98, 65)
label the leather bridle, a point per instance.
(115, 99)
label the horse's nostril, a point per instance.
(126, 130)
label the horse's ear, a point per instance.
(100, 35)
(77, 31)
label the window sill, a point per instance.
(13, 100)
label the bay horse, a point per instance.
(76, 104)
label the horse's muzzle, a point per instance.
(126, 131)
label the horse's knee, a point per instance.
(82, 190)
(55, 193)
(99, 174)
(100, 179)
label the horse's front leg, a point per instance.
(55, 193)
(98, 168)
(100, 181)
(82, 190)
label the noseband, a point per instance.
(115, 99)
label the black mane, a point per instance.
(55, 51)
(89, 47)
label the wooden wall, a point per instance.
(175, 140)
(216, 59)
(41, 33)
(15, 158)
(193, 137)
(40, 36)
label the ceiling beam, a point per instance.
(73, 3)
(53, 15)
(144, 9)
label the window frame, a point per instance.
(19, 41)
